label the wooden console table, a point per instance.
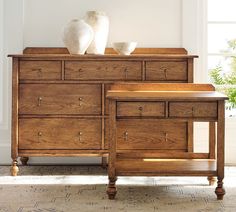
(147, 133)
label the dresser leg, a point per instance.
(14, 168)
(111, 188)
(104, 162)
(220, 191)
(24, 160)
(212, 180)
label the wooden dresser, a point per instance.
(59, 106)
(148, 134)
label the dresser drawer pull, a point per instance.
(164, 69)
(40, 101)
(192, 111)
(166, 137)
(80, 101)
(140, 110)
(126, 73)
(80, 135)
(40, 134)
(126, 136)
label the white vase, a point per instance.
(77, 36)
(100, 24)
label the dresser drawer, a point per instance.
(151, 134)
(59, 133)
(40, 70)
(141, 109)
(193, 109)
(60, 99)
(103, 70)
(165, 71)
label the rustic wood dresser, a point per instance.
(59, 106)
(147, 130)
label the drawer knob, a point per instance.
(80, 135)
(166, 137)
(192, 110)
(40, 134)
(40, 101)
(80, 101)
(126, 73)
(140, 110)
(126, 136)
(164, 69)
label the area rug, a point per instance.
(82, 188)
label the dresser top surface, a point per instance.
(139, 53)
(164, 91)
(166, 95)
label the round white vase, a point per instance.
(100, 24)
(77, 36)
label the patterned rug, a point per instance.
(83, 188)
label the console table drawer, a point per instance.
(60, 99)
(193, 109)
(164, 71)
(59, 133)
(151, 134)
(40, 70)
(156, 109)
(103, 70)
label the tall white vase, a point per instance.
(100, 24)
(77, 36)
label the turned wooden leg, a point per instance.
(111, 188)
(14, 168)
(24, 160)
(104, 162)
(212, 180)
(220, 191)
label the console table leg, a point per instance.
(14, 168)
(24, 160)
(220, 191)
(212, 180)
(111, 188)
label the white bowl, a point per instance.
(124, 48)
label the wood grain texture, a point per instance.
(164, 70)
(161, 87)
(166, 167)
(141, 109)
(151, 134)
(40, 70)
(60, 50)
(105, 70)
(14, 121)
(193, 109)
(60, 99)
(45, 133)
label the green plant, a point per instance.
(220, 77)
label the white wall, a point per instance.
(152, 23)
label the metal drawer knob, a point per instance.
(40, 101)
(140, 110)
(126, 73)
(80, 135)
(166, 137)
(126, 136)
(80, 101)
(192, 110)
